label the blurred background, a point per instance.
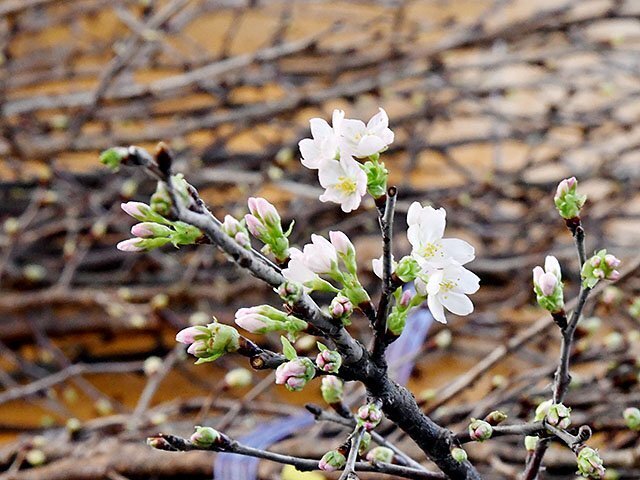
(492, 102)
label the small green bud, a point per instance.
(380, 454)
(459, 455)
(602, 266)
(204, 437)
(407, 269)
(496, 417)
(590, 464)
(479, 430)
(567, 200)
(332, 389)
(376, 178)
(531, 443)
(632, 418)
(113, 157)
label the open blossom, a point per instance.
(362, 140)
(448, 288)
(320, 255)
(324, 144)
(425, 232)
(344, 182)
(297, 270)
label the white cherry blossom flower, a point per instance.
(344, 182)
(324, 144)
(362, 140)
(297, 271)
(425, 232)
(448, 288)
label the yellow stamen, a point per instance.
(346, 185)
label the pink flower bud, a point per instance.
(479, 430)
(598, 273)
(406, 298)
(332, 461)
(198, 348)
(595, 261)
(251, 321)
(548, 283)
(188, 335)
(130, 245)
(341, 242)
(295, 374)
(135, 209)
(537, 273)
(329, 361)
(141, 230)
(611, 260)
(340, 307)
(264, 210)
(255, 226)
(614, 275)
(242, 239)
(369, 416)
(565, 186)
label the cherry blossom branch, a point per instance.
(174, 443)
(386, 226)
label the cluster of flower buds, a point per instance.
(369, 416)
(590, 464)
(208, 343)
(547, 284)
(459, 455)
(236, 230)
(631, 417)
(295, 374)
(341, 308)
(333, 150)
(602, 266)
(332, 389)
(154, 230)
(327, 360)
(297, 371)
(331, 461)
(479, 430)
(336, 259)
(265, 318)
(555, 414)
(265, 224)
(567, 200)
(380, 454)
(205, 437)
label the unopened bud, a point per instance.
(531, 443)
(35, 457)
(380, 454)
(567, 200)
(495, 418)
(238, 378)
(331, 461)
(152, 365)
(590, 464)
(632, 418)
(369, 416)
(204, 437)
(459, 455)
(332, 389)
(479, 430)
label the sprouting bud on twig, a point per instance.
(290, 292)
(459, 455)
(236, 230)
(547, 284)
(211, 342)
(264, 223)
(204, 437)
(531, 442)
(295, 373)
(332, 389)
(495, 418)
(328, 360)
(602, 266)
(479, 430)
(632, 418)
(341, 308)
(590, 464)
(555, 414)
(380, 454)
(567, 200)
(369, 416)
(331, 461)
(262, 319)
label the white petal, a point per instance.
(320, 128)
(311, 155)
(434, 220)
(436, 309)
(457, 303)
(459, 250)
(368, 145)
(421, 286)
(387, 136)
(336, 121)
(379, 122)
(468, 282)
(351, 129)
(351, 203)
(330, 172)
(413, 214)
(433, 286)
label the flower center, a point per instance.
(346, 185)
(430, 250)
(447, 285)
